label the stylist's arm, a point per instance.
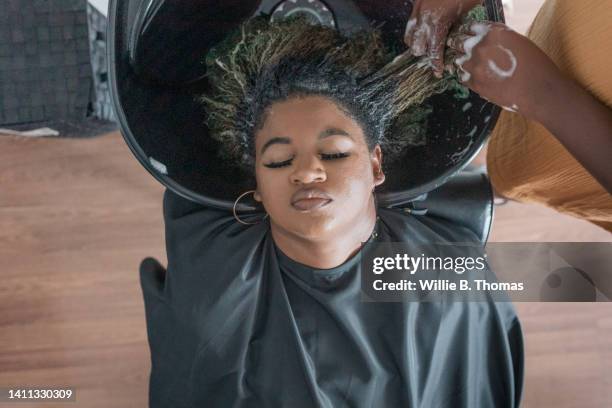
(509, 70)
(428, 26)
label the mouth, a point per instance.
(310, 199)
(310, 204)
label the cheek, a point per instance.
(354, 194)
(354, 180)
(274, 189)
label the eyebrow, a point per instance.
(330, 131)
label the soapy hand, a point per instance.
(504, 67)
(429, 25)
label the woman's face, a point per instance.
(314, 172)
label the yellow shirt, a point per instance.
(525, 162)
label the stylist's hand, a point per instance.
(428, 27)
(506, 68)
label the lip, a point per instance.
(308, 199)
(308, 204)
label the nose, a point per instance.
(308, 170)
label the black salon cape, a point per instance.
(237, 323)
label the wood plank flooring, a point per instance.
(78, 215)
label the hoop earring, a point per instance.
(236, 215)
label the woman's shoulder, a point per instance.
(176, 207)
(188, 223)
(207, 247)
(403, 223)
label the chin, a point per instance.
(314, 226)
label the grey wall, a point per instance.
(45, 68)
(101, 99)
(101, 5)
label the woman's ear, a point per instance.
(257, 196)
(376, 157)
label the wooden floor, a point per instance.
(78, 215)
(76, 218)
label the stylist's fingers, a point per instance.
(436, 48)
(409, 33)
(420, 39)
(464, 74)
(450, 68)
(457, 42)
(463, 67)
(411, 25)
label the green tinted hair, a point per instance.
(264, 62)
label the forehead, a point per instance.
(305, 115)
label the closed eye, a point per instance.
(275, 165)
(332, 156)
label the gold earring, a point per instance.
(378, 174)
(236, 215)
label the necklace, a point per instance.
(374, 233)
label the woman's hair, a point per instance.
(265, 62)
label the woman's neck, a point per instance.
(329, 252)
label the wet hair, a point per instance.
(264, 62)
(296, 77)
